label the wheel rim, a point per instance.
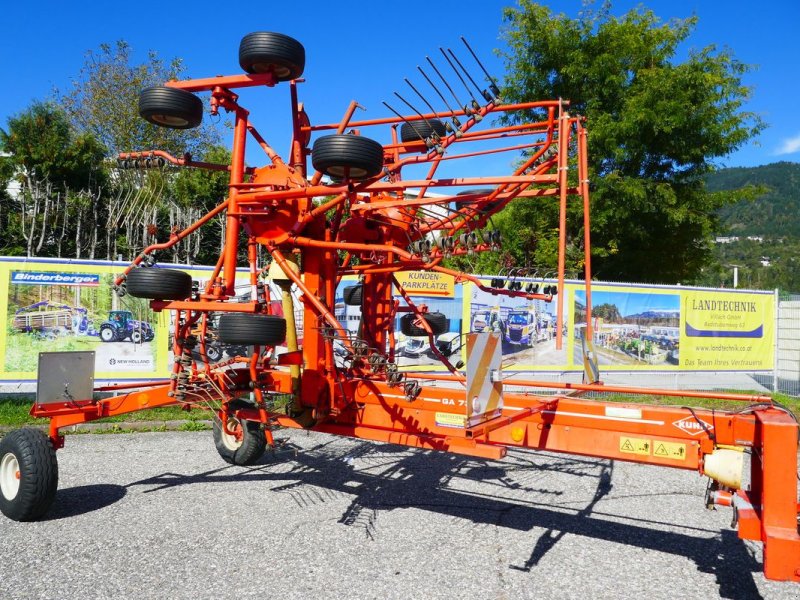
(9, 476)
(277, 70)
(169, 120)
(107, 335)
(354, 172)
(232, 442)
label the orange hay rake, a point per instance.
(357, 212)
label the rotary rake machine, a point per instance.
(372, 206)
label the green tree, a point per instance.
(104, 100)
(56, 170)
(195, 192)
(656, 126)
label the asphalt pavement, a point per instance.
(160, 515)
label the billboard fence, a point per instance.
(659, 336)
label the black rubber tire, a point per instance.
(38, 474)
(108, 337)
(353, 295)
(252, 446)
(436, 320)
(347, 156)
(136, 337)
(158, 284)
(268, 52)
(170, 107)
(248, 329)
(416, 131)
(213, 352)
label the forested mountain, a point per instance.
(767, 251)
(776, 213)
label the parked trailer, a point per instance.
(41, 320)
(350, 214)
(48, 317)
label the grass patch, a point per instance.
(15, 409)
(792, 404)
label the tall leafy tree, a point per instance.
(56, 169)
(104, 100)
(195, 192)
(657, 126)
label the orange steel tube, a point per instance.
(460, 113)
(308, 296)
(583, 186)
(228, 82)
(174, 238)
(612, 389)
(232, 221)
(563, 166)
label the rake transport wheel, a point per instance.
(436, 320)
(353, 295)
(245, 447)
(347, 156)
(158, 284)
(267, 52)
(248, 329)
(28, 474)
(170, 107)
(421, 130)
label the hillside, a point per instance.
(771, 258)
(775, 214)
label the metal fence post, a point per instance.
(777, 344)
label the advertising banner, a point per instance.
(661, 328)
(439, 294)
(61, 305)
(728, 331)
(57, 306)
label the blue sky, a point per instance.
(363, 50)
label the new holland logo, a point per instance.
(692, 426)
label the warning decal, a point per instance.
(629, 445)
(669, 450)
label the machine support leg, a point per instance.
(779, 495)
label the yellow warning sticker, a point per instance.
(444, 419)
(669, 450)
(631, 445)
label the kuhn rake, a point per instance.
(371, 205)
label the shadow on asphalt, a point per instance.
(422, 480)
(71, 502)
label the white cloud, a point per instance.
(789, 145)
